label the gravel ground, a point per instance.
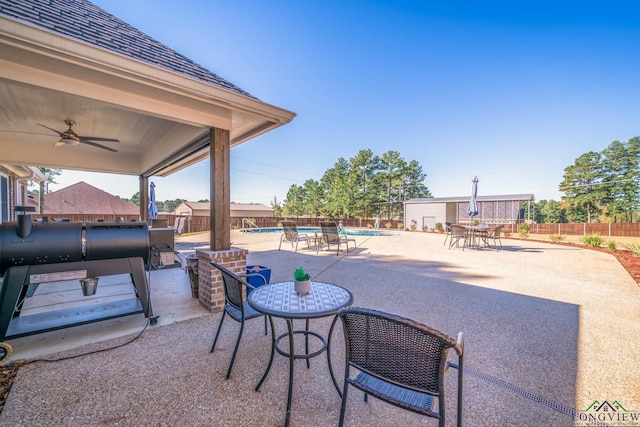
(547, 327)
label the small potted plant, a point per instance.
(302, 284)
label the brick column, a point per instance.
(210, 288)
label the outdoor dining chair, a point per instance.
(458, 233)
(494, 235)
(399, 361)
(238, 309)
(290, 234)
(447, 229)
(331, 236)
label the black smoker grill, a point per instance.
(37, 253)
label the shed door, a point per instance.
(429, 222)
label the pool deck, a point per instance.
(548, 329)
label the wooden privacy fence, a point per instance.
(627, 229)
(237, 222)
(195, 224)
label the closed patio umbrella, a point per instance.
(472, 210)
(153, 209)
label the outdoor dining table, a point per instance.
(317, 241)
(281, 300)
(476, 233)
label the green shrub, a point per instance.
(611, 244)
(556, 237)
(592, 240)
(634, 248)
(439, 226)
(523, 230)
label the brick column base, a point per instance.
(210, 287)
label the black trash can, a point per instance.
(192, 269)
(256, 281)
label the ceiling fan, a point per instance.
(69, 137)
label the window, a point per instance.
(4, 198)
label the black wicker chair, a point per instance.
(235, 307)
(399, 361)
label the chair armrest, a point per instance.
(459, 348)
(460, 344)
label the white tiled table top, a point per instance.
(281, 300)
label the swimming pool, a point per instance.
(309, 230)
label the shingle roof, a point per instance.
(82, 198)
(233, 206)
(249, 207)
(86, 22)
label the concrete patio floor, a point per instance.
(549, 329)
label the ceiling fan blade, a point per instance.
(26, 133)
(93, 144)
(94, 138)
(62, 135)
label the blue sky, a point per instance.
(512, 92)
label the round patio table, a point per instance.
(477, 234)
(281, 300)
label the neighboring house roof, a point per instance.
(34, 201)
(250, 207)
(82, 198)
(100, 28)
(197, 206)
(462, 199)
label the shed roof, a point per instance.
(463, 199)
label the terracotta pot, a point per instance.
(302, 287)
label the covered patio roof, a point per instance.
(70, 60)
(83, 64)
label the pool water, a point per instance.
(310, 230)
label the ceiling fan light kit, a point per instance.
(69, 137)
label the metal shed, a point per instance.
(424, 213)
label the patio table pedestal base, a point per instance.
(281, 300)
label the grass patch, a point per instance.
(557, 237)
(634, 248)
(592, 240)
